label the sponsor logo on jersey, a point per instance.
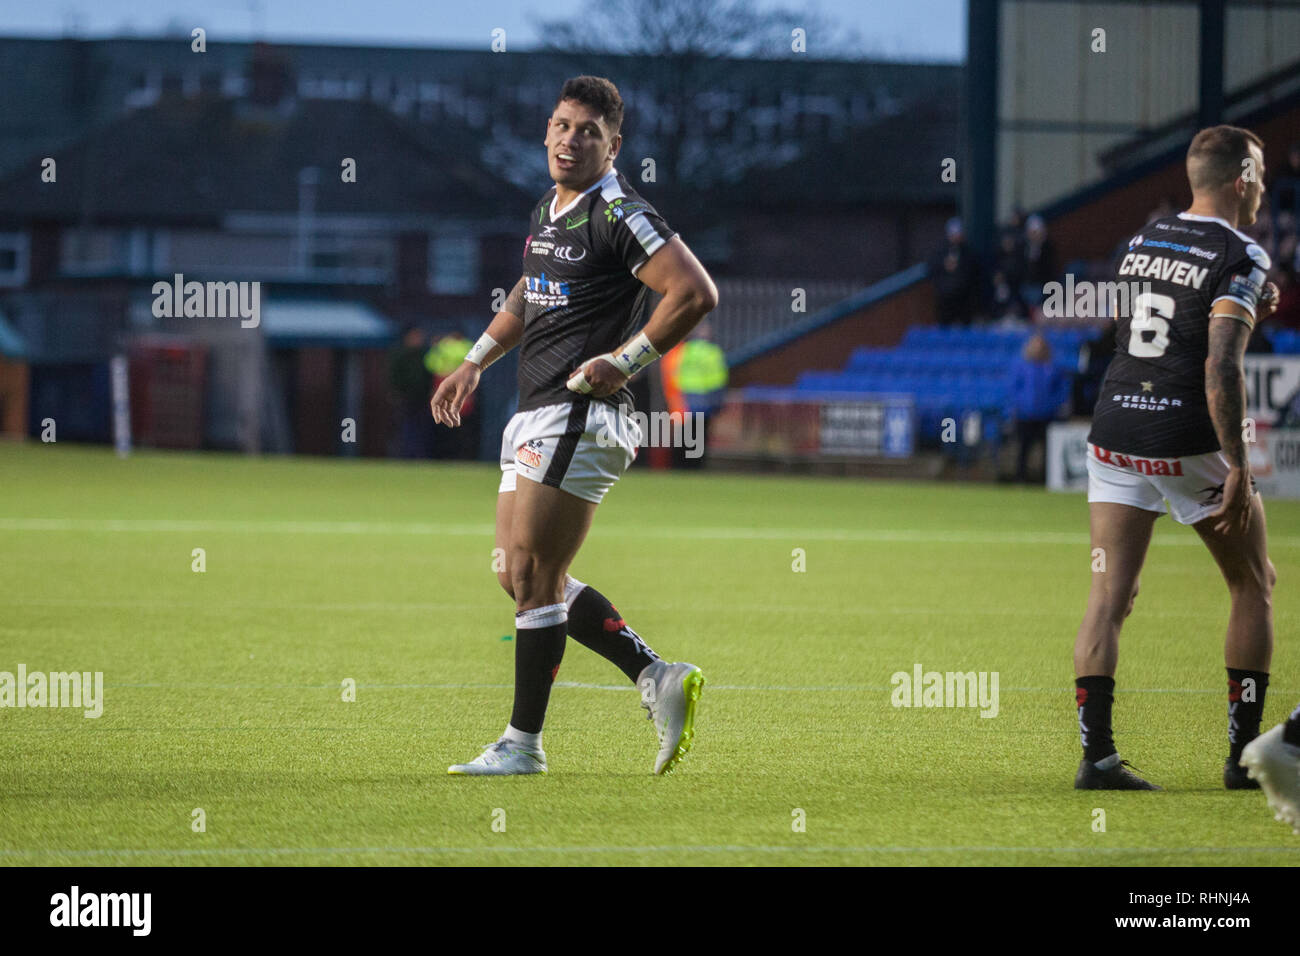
(618, 209)
(530, 453)
(545, 247)
(1166, 270)
(1169, 467)
(1171, 227)
(1180, 247)
(1147, 403)
(1249, 287)
(539, 290)
(573, 222)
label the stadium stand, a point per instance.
(949, 372)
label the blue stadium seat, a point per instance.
(1286, 341)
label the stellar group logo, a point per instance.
(82, 690)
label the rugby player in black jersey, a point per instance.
(594, 251)
(1167, 435)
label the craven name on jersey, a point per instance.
(1166, 270)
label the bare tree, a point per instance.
(682, 48)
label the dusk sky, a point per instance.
(932, 30)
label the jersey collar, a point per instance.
(1222, 222)
(601, 183)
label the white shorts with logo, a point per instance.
(1192, 485)
(581, 447)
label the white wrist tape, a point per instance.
(481, 348)
(638, 354)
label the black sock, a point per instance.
(1291, 730)
(539, 647)
(1243, 713)
(595, 623)
(1094, 696)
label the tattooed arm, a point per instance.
(515, 301)
(1225, 393)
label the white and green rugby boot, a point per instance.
(669, 692)
(502, 759)
(1276, 765)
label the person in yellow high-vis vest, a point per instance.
(695, 379)
(443, 358)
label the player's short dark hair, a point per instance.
(599, 94)
(1215, 157)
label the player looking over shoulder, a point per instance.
(1167, 435)
(594, 252)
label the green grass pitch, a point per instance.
(223, 688)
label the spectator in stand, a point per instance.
(1009, 276)
(1038, 390)
(412, 387)
(956, 279)
(1040, 261)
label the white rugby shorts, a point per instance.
(581, 447)
(1189, 488)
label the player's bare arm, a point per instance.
(503, 333)
(688, 296)
(1225, 393)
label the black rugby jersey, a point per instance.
(1152, 400)
(582, 297)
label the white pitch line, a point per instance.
(221, 606)
(683, 848)
(577, 685)
(883, 535)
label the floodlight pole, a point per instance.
(979, 179)
(1213, 22)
